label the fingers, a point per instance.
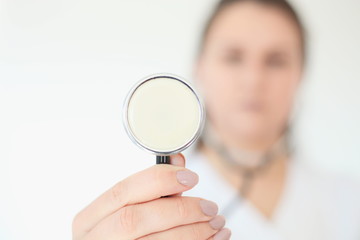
(149, 184)
(177, 160)
(139, 220)
(196, 231)
(224, 234)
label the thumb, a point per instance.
(177, 160)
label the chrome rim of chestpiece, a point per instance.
(137, 141)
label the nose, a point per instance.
(251, 76)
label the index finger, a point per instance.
(149, 184)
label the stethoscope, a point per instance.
(163, 115)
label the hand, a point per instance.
(134, 209)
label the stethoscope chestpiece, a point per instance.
(163, 115)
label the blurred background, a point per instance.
(66, 66)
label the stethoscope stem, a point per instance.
(162, 159)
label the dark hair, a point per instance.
(283, 5)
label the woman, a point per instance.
(249, 68)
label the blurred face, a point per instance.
(249, 70)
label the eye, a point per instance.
(233, 57)
(276, 61)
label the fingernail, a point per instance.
(208, 207)
(187, 178)
(217, 222)
(224, 234)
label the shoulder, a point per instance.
(333, 187)
(331, 199)
(318, 204)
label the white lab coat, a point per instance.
(312, 207)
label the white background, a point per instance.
(65, 67)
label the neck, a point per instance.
(266, 186)
(260, 143)
(232, 173)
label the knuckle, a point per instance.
(195, 232)
(117, 192)
(181, 207)
(127, 219)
